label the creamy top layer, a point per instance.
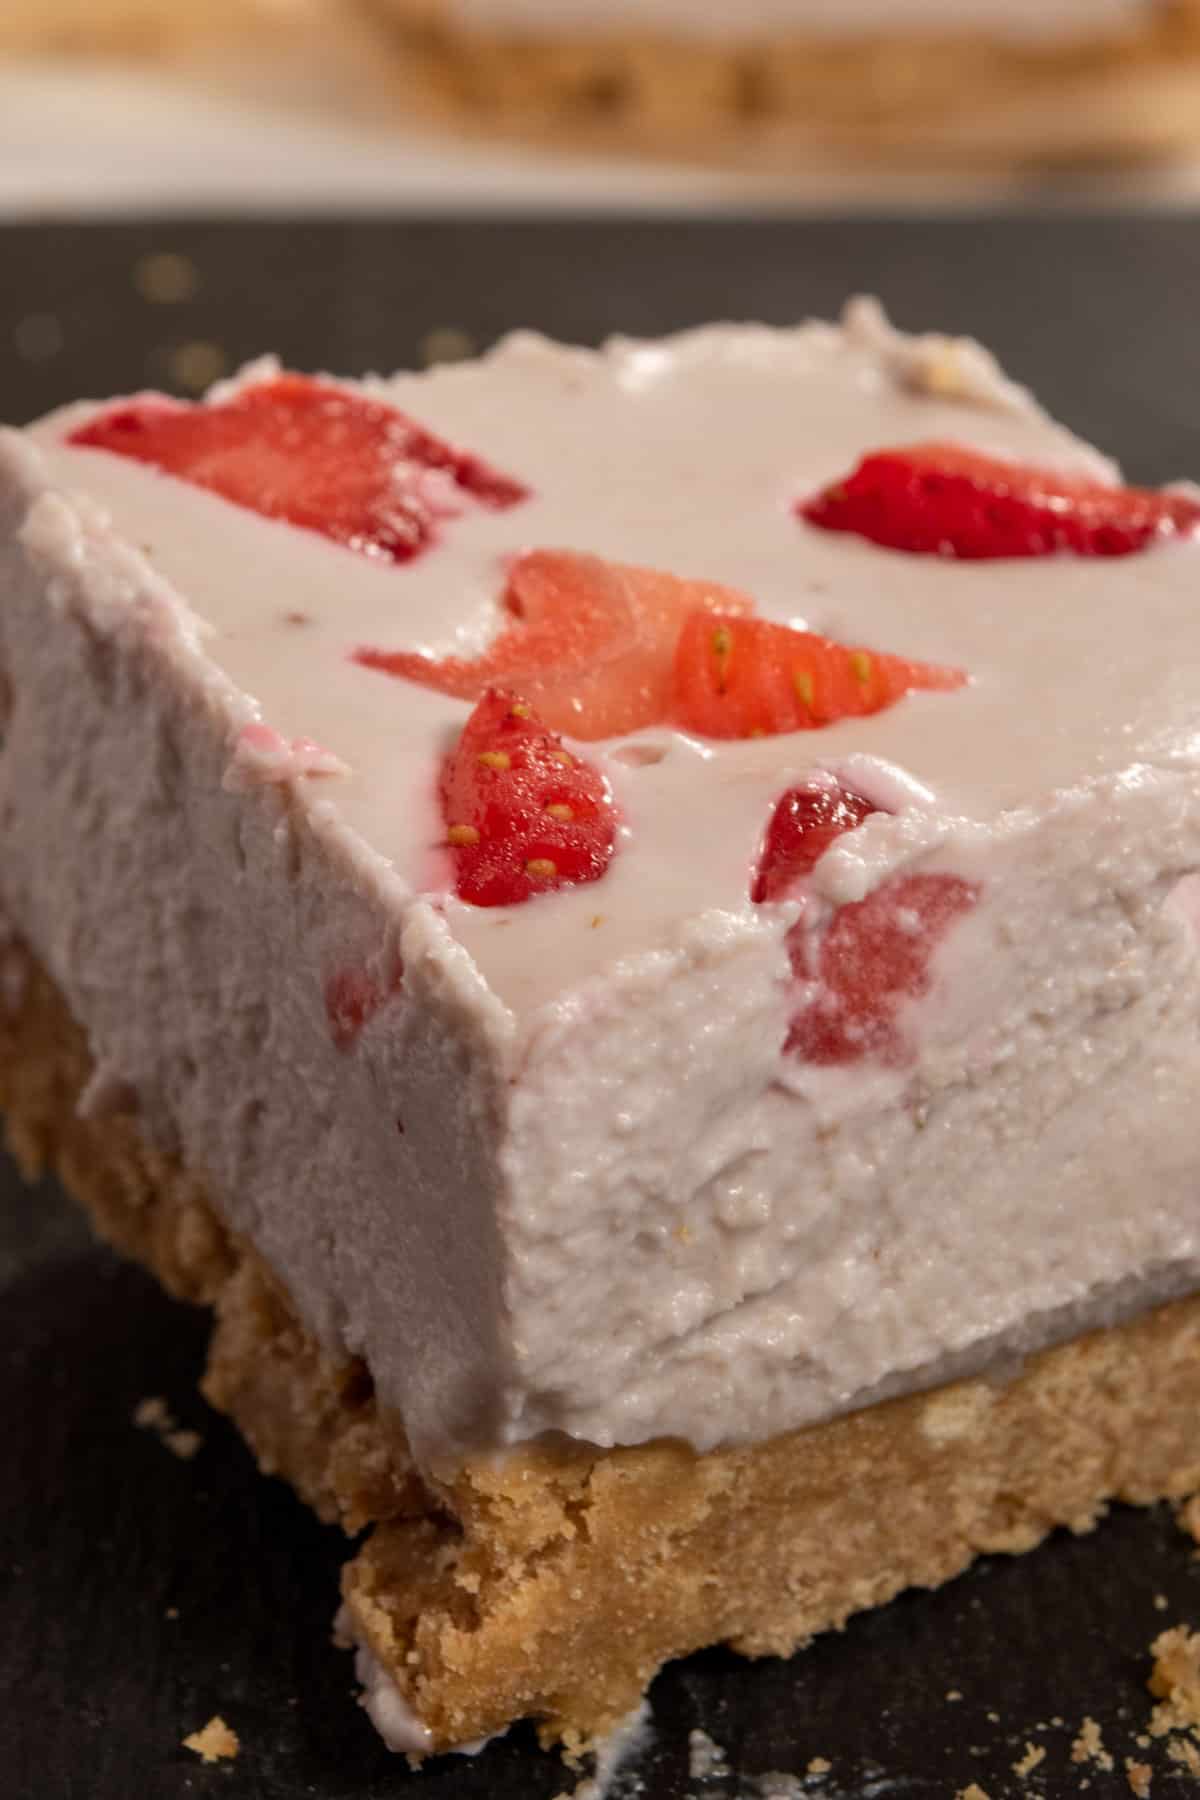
(687, 455)
(622, 1209)
(1020, 19)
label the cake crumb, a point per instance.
(1187, 1517)
(172, 1612)
(613, 1755)
(1034, 1754)
(183, 1444)
(973, 1792)
(153, 1414)
(818, 1765)
(1185, 1753)
(706, 1758)
(1175, 1681)
(215, 1743)
(1139, 1775)
(1160, 1603)
(1089, 1746)
(954, 1694)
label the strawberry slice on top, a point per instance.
(325, 458)
(741, 678)
(874, 955)
(589, 643)
(524, 815)
(947, 500)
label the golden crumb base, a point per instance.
(554, 1581)
(1132, 95)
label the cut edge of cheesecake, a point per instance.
(1133, 95)
(551, 1582)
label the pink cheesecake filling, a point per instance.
(726, 1127)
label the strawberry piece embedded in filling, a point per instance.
(874, 955)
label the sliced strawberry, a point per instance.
(875, 953)
(588, 643)
(946, 500)
(523, 814)
(328, 459)
(741, 678)
(806, 820)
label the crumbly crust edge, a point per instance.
(555, 1580)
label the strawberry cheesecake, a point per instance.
(628, 919)
(1018, 80)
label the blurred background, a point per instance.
(185, 183)
(116, 106)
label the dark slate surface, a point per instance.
(140, 1594)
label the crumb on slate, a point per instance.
(1089, 1746)
(1139, 1776)
(1034, 1754)
(818, 1765)
(1185, 1753)
(1175, 1681)
(153, 1414)
(706, 1758)
(973, 1792)
(215, 1743)
(1188, 1516)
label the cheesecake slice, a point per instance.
(628, 920)
(1012, 81)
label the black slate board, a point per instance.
(140, 1594)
